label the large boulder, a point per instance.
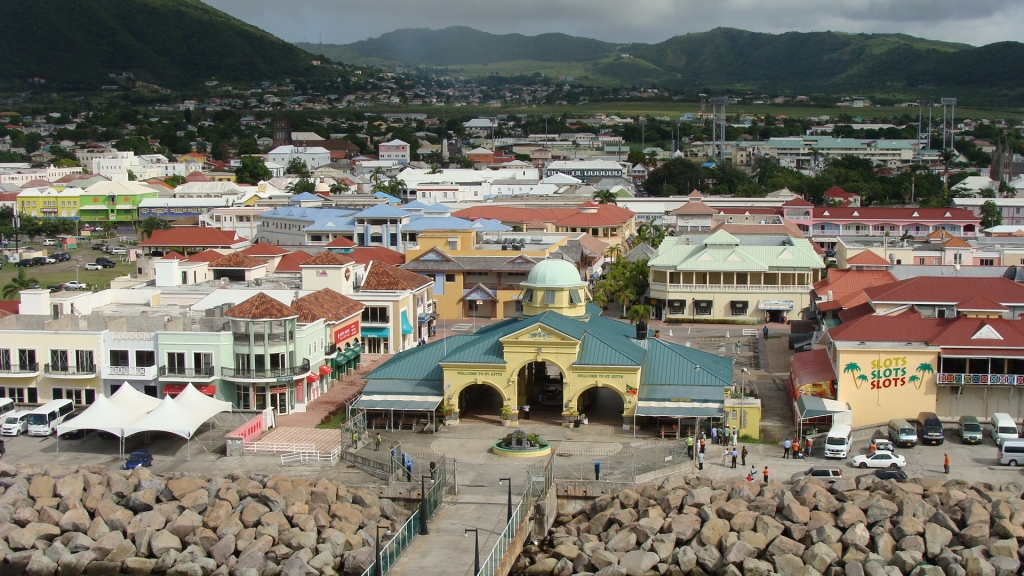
(713, 531)
(162, 542)
(25, 538)
(637, 562)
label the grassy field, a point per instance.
(675, 109)
(54, 274)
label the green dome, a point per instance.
(554, 273)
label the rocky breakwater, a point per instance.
(855, 527)
(92, 520)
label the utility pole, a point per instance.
(718, 108)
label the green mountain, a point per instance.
(723, 58)
(172, 43)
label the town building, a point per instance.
(49, 202)
(178, 208)
(606, 222)
(395, 150)
(585, 169)
(560, 357)
(312, 156)
(745, 278)
(114, 201)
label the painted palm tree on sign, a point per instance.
(915, 380)
(922, 369)
(853, 368)
(862, 379)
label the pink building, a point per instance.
(394, 150)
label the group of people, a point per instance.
(795, 449)
(724, 435)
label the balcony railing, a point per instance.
(265, 373)
(730, 287)
(19, 369)
(130, 372)
(174, 373)
(953, 379)
(243, 338)
(71, 371)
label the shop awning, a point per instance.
(813, 366)
(775, 305)
(680, 409)
(398, 402)
(375, 332)
(406, 326)
(814, 407)
(314, 377)
(325, 370)
(175, 389)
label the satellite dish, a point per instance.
(956, 267)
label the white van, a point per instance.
(1011, 452)
(1003, 427)
(49, 242)
(43, 421)
(902, 433)
(14, 423)
(6, 405)
(839, 441)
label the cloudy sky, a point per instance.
(975, 22)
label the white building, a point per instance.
(313, 156)
(394, 150)
(587, 168)
(416, 177)
(242, 220)
(21, 173)
(142, 167)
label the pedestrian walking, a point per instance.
(703, 444)
(700, 460)
(765, 332)
(743, 456)
(689, 447)
(785, 448)
(725, 456)
(945, 462)
(714, 435)
(808, 444)
(765, 474)
(526, 411)
(735, 436)
(735, 455)
(355, 440)
(376, 442)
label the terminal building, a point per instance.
(560, 357)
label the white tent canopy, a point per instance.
(112, 414)
(181, 416)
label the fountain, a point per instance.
(522, 445)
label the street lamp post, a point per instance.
(743, 392)
(424, 530)
(377, 569)
(509, 480)
(476, 548)
(77, 266)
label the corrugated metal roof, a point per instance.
(670, 364)
(597, 352)
(419, 363)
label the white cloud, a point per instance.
(975, 22)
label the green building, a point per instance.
(116, 201)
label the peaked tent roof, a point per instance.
(327, 304)
(261, 307)
(867, 258)
(382, 276)
(123, 408)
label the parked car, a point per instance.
(98, 246)
(138, 458)
(50, 259)
(119, 250)
(891, 474)
(880, 459)
(106, 262)
(55, 288)
(49, 242)
(969, 429)
(61, 256)
(931, 428)
(39, 261)
(93, 266)
(75, 285)
(826, 473)
(883, 444)
(25, 263)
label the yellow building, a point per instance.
(49, 202)
(562, 359)
(478, 277)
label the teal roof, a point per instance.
(674, 365)
(723, 252)
(596, 352)
(554, 272)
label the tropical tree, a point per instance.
(378, 175)
(624, 298)
(340, 188)
(652, 234)
(301, 185)
(946, 156)
(20, 282)
(990, 215)
(434, 169)
(613, 252)
(252, 171)
(652, 160)
(638, 313)
(605, 197)
(298, 167)
(146, 226)
(174, 181)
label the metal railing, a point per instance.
(175, 372)
(305, 456)
(66, 370)
(278, 447)
(264, 373)
(732, 287)
(19, 368)
(954, 379)
(394, 548)
(435, 494)
(540, 481)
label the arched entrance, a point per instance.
(541, 386)
(480, 402)
(601, 405)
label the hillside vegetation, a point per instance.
(723, 58)
(171, 43)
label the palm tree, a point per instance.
(624, 298)
(605, 197)
(377, 175)
(147, 226)
(434, 169)
(652, 160)
(613, 252)
(340, 188)
(17, 284)
(638, 313)
(946, 156)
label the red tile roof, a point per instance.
(981, 304)
(238, 260)
(962, 332)
(193, 237)
(261, 307)
(328, 258)
(947, 290)
(867, 258)
(327, 304)
(695, 208)
(172, 255)
(366, 254)
(264, 249)
(206, 256)
(873, 328)
(72, 177)
(385, 277)
(197, 177)
(290, 262)
(956, 242)
(847, 287)
(341, 242)
(37, 183)
(10, 306)
(813, 366)
(797, 202)
(606, 215)
(837, 192)
(887, 214)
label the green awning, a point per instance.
(375, 332)
(398, 402)
(680, 409)
(406, 326)
(814, 407)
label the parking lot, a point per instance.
(60, 272)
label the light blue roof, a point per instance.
(487, 225)
(382, 211)
(438, 208)
(387, 197)
(415, 205)
(421, 223)
(308, 214)
(331, 223)
(305, 197)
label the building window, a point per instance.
(376, 314)
(738, 307)
(176, 363)
(202, 362)
(575, 297)
(677, 307)
(986, 262)
(702, 307)
(145, 358)
(244, 395)
(80, 396)
(5, 360)
(119, 358)
(20, 395)
(449, 278)
(549, 296)
(528, 293)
